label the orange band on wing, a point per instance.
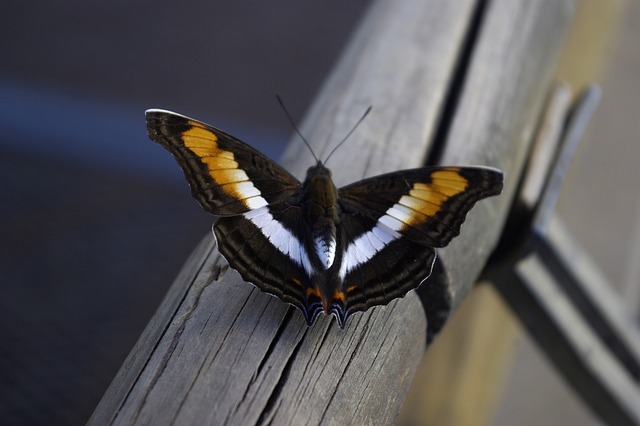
(426, 199)
(222, 167)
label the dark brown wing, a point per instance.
(376, 266)
(391, 224)
(227, 176)
(265, 247)
(426, 205)
(257, 230)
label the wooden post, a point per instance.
(220, 352)
(508, 79)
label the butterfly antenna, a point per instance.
(348, 134)
(293, 124)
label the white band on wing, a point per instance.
(366, 246)
(280, 237)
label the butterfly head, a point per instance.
(318, 169)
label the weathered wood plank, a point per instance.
(230, 354)
(499, 109)
(222, 352)
(508, 79)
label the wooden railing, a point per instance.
(453, 82)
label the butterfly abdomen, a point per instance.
(321, 213)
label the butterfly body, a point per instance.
(317, 247)
(321, 211)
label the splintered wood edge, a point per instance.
(134, 364)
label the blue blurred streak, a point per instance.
(106, 135)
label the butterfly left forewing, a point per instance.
(257, 228)
(226, 175)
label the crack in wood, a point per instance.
(266, 416)
(195, 293)
(359, 342)
(215, 273)
(456, 85)
(283, 325)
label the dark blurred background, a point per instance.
(96, 220)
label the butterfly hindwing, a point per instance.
(377, 266)
(226, 175)
(264, 247)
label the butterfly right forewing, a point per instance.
(392, 223)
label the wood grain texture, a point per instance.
(220, 352)
(507, 83)
(462, 375)
(460, 381)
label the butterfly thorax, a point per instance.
(321, 209)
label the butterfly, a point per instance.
(314, 246)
